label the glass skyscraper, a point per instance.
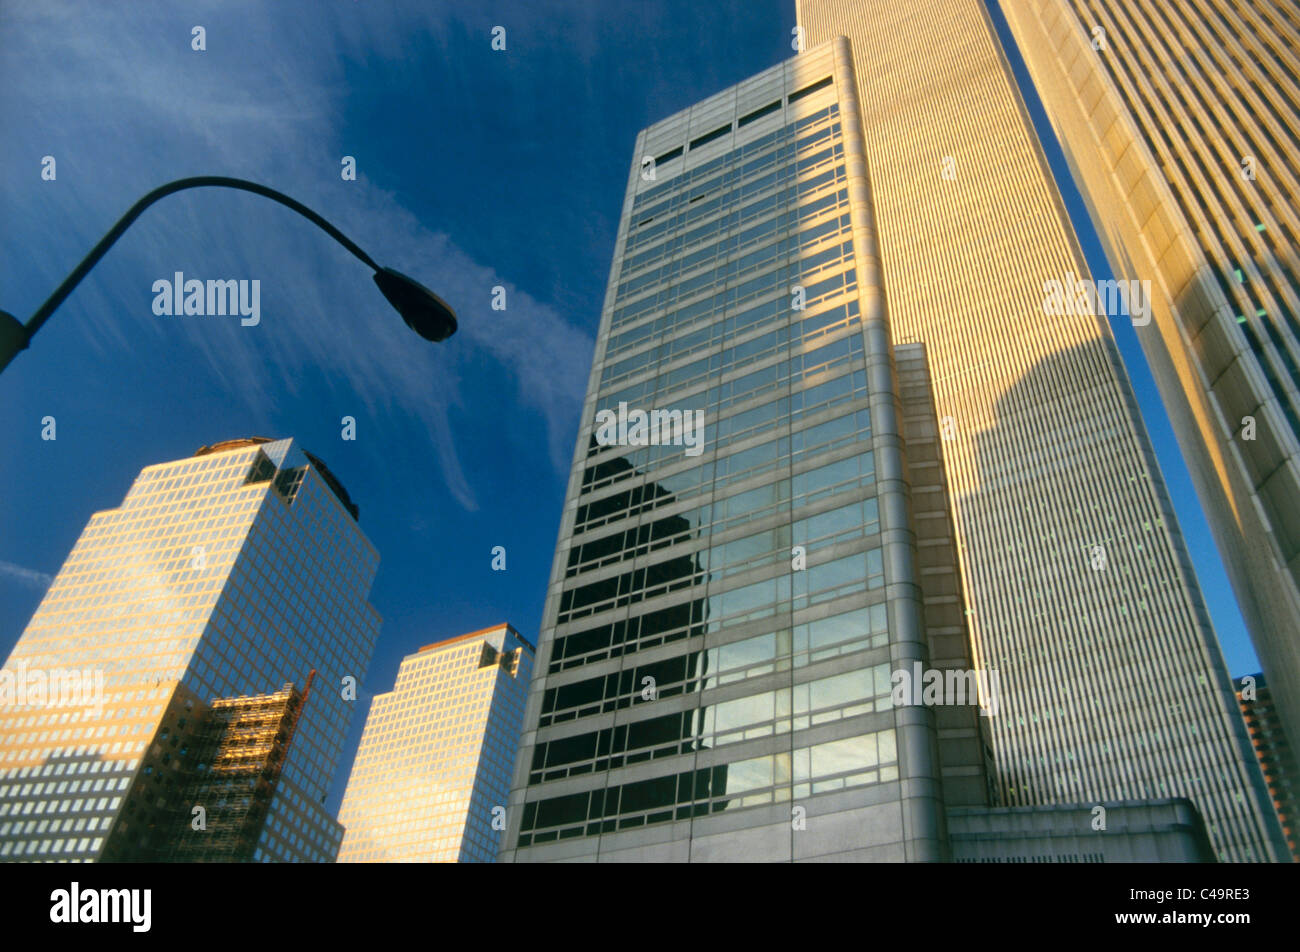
(1181, 124)
(229, 573)
(433, 770)
(714, 670)
(1076, 578)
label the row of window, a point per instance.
(818, 768)
(782, 593)
(750, 200)
(43, 847)
(702, 172)
(781, 211)
(775, 455)
(791, 331)
(857, 629)
(785, 411)
(640, 632)
(767, 713)
(744, 554)
(706, 310)
(849, 521)
(804, 488)
(732, 241)
(782, 278)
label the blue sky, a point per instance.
(476, 168)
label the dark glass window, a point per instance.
(758, 113)
(799, 94)
(710, 136)
(668, 156)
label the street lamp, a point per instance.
(422, 310)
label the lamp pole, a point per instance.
(422, 310)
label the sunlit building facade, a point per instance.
(1077, 581)
(236, 754)
(1181, 124)
(225, 574)
(432, 773)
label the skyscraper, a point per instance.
(432, 774)
(740, 567)
(1181, 124)
(1076, 578)
(228, 573)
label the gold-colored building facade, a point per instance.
(1077, 583)
(235, 765)
(432, 772)
(222, 574)
(1181, 124)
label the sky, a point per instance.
(475, 169)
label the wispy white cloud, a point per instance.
(126, 78)
(26, 576)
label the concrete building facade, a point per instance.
(1156, 831)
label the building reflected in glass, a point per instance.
(716, 655)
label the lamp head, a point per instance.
(424, 312)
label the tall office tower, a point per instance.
(1276, 755)
(1076, 579)
(432, 773)
(733, 591)
(1181, 124)
(225, 574)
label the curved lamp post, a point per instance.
(422, 310)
